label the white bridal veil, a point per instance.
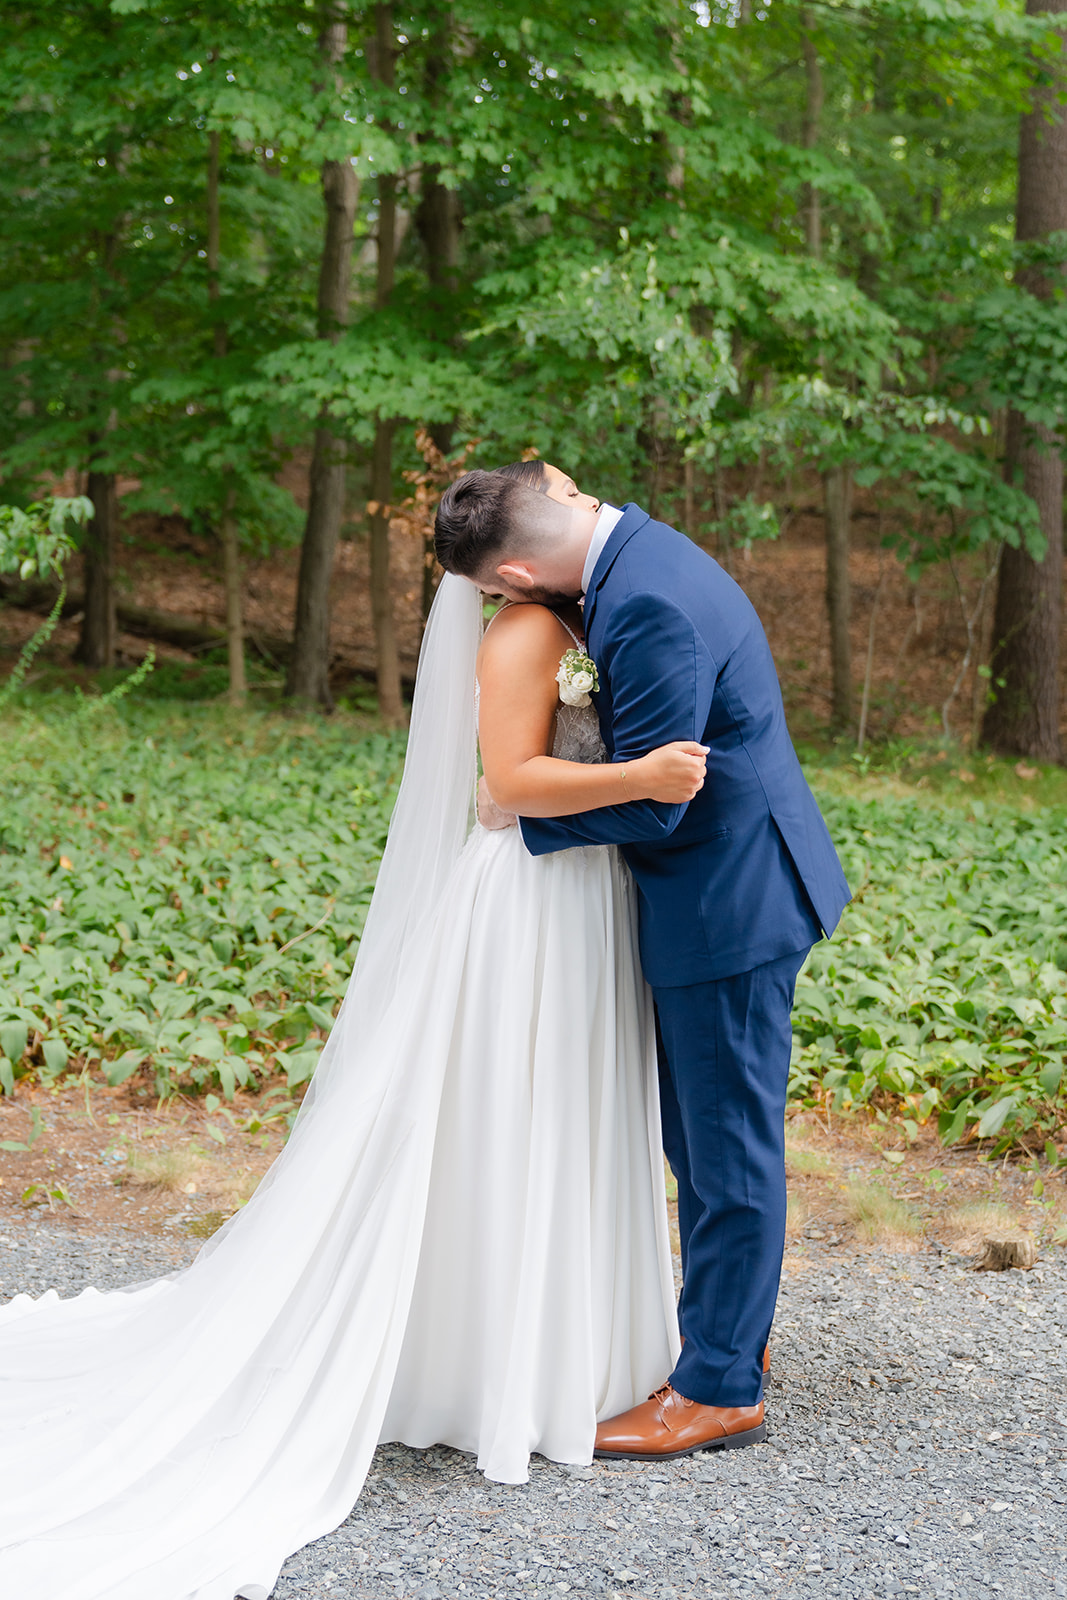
(431, 819)
(180, 1438)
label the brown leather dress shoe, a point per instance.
(668, 1425)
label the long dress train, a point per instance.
(463, 1243)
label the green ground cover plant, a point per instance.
(182, 890)
(945, 993)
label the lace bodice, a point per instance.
(578, 735)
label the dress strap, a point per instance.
(502, 607)
(580, 643)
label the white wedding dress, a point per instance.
(464, 1241)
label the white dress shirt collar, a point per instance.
(605, 522)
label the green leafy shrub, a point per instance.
(944, 993)
(182, 893)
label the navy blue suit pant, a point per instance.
(724, 1050)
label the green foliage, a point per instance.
(182, 896)
(1017, 352)
(634, 283)
(36, 540)
(181, 899)
(944, 994)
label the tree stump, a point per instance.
(1006, 1250)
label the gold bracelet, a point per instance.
(622, 769)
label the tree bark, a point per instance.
(999, 1254)
(837, 481)
(1024, 717)
(390, 704)
(837, 487)
(213, 236)
(308, 676)
(231, 548)
(810, 136)
(439, 220)
(235, 623)
(96, 646)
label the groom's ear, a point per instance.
(516, 575)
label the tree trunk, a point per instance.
(1024, 717)
(837, 482)
(308, 676)
(438, 219)
(96, 646)
(231, 551)
(213, 234)
(438, 222)
(390, 704)
(810, 136)
(235, 626)
(837, 486)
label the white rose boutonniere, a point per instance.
(577, 678)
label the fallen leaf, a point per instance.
(65, 861)
(1025, 772)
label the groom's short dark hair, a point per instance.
(484, 516)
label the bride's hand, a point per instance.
(672, 774)
(490, 815)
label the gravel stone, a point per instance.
(917, 1445)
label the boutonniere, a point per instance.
(577, 678)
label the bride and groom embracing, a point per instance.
(465, 1239)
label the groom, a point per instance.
(734, 888)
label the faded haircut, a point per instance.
(485, 518)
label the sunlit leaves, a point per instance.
(36, 542)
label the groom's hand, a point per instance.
(490, 815)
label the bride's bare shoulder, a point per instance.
(529, 631)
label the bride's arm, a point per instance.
(517, 668)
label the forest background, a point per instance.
(272, 272)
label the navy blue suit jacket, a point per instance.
(746, 872)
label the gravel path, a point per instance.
(918, 1446)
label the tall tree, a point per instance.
(438, 219)
(96, 642)
(308, 676)
(1024, 717)
(387, 659)
(231, 551)
(837, 479)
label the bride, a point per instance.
(464, 1241)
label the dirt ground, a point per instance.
(107, 1158)
(117, 1158)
